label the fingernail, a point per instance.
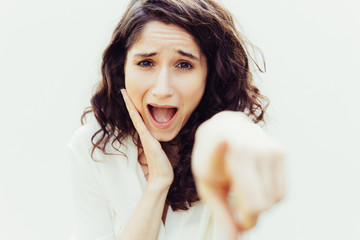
(123, 92)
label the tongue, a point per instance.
(163, 115)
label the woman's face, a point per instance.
(165, 76)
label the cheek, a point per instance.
(135, 87)
(192, 92)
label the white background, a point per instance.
(50, 55)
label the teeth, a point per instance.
(162, 115)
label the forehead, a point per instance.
(158, 33)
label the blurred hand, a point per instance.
(233, 156)
(160, 169)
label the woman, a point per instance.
(171, 66)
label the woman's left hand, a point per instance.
(232, 156)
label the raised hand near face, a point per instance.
(160, 169)
(235, 159)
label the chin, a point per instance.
(164, 137)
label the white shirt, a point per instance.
(106, 192)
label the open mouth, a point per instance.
(162, 114)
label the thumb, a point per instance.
(147, 140)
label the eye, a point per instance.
(185, 66)
(145, 63)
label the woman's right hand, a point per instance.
(233, 156)
(160, 168)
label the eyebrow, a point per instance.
(185, 54)
(145, 55)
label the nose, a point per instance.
(163, 87)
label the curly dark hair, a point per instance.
(229, 83)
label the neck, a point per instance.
(172, 152)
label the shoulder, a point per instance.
(81, 138)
